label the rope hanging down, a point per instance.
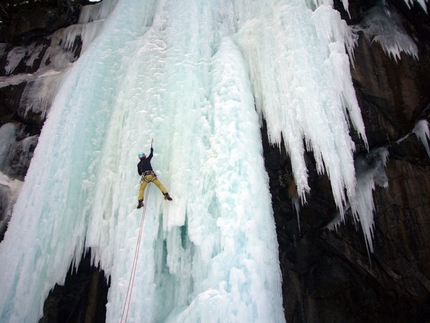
(127, 301)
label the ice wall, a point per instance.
(198, 77)
(213, 250)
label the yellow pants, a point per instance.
(150, 178)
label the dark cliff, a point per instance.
(328, 275)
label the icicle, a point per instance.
(383, 24)
(305, 92)
(370, 170)
(87, 33)
(422, 3)
(421, 130)
(296, 207)
(98, 11)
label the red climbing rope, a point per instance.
(127, 301)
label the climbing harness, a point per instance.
(148, 172)
(127, 301)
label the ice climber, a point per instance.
(147, 174)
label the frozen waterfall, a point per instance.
(198, 77)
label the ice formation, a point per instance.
(383, 24)
(421, 130)
(198, 77)
(9, 191)
(422, 3)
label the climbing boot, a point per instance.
(167, 197)
(140, 204)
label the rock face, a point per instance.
(328, 275)
(24, 21)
